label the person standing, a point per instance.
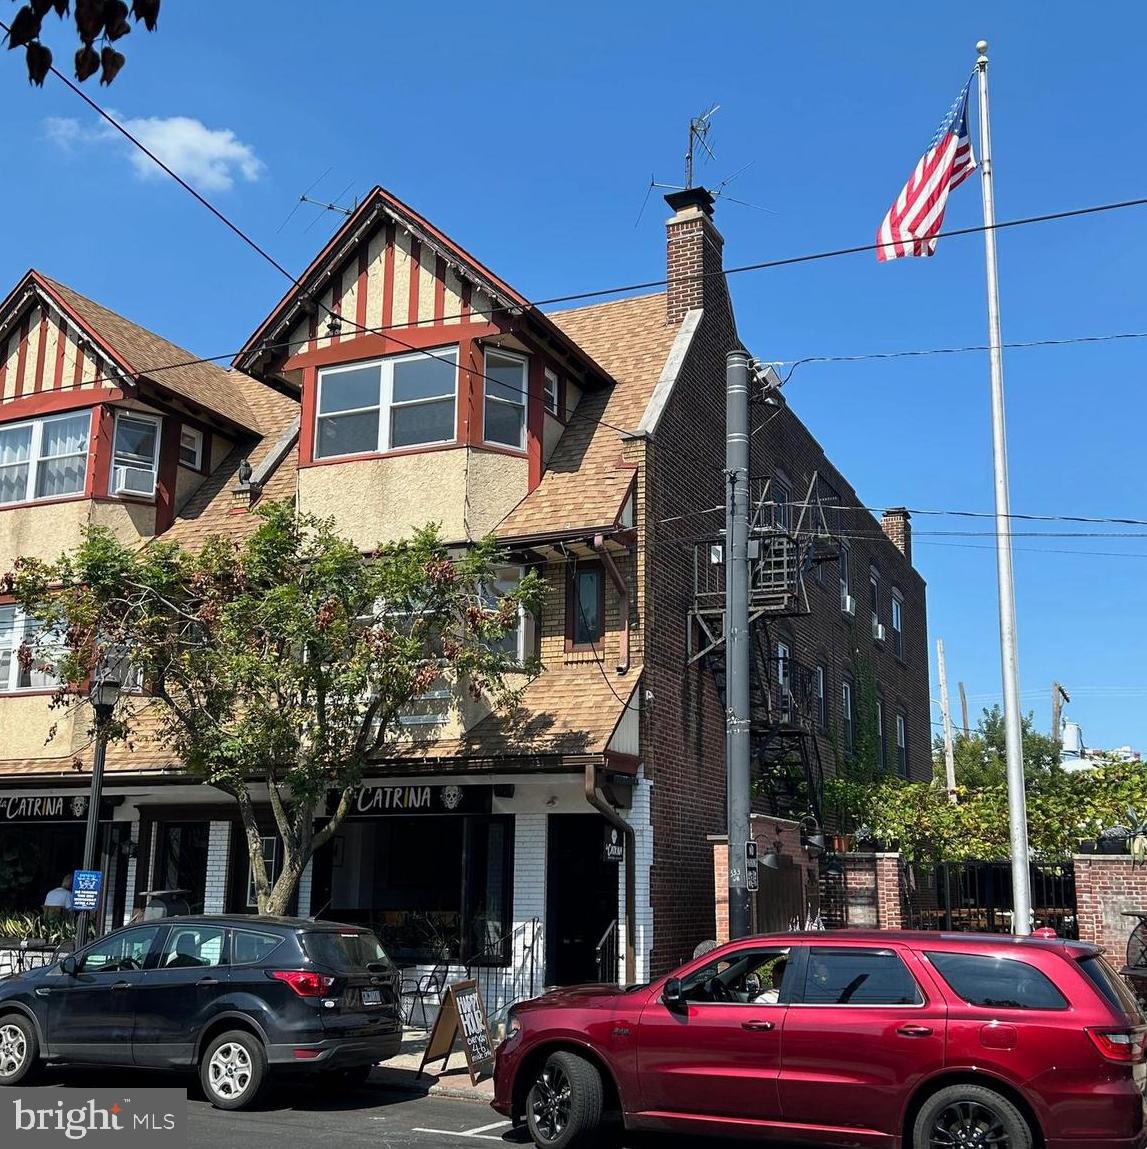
(58, 902)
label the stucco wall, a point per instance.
(25, 722)
(41, 532)
(127, 521)
(380, 500)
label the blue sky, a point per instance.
(529, 133)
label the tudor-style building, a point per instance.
(402, 382)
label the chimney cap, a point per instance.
(691, 197)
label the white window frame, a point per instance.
(195, 446)
(139, 417)
(874, 600)
(821, 696)
(844, 566)
(847, 717)
(785, 679)
(553, 387)
(897, 624)
(386, 405)
(273, 870)
(35, 457)
(487, 398)
(23, 628)
(436, 715)
(506, 579)
(901, 745)
(881, 744)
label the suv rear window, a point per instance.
(1006, 983)
(349, 950)
(1111, 985)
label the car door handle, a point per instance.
(121, 985)
(204, 981)
(43, 991)
(915, 1031)
(758, 1026)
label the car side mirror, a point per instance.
(69, 965)
(671, 994)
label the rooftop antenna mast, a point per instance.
(699, 127)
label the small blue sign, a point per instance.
(86, 886)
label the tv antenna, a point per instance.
(324, 205)
(699, 128)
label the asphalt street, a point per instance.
(300, 1115)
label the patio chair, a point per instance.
(419, 988)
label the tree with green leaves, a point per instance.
(279, 666)
(981, 757)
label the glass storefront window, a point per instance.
(433, 888)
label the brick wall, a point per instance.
(1105, 886)
(888, 905)
(680, 474)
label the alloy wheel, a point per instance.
(13, 1050)
(551, 1103)
(229, 1070)
(968, 1125)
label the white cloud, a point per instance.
(211, 159)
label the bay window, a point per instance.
(505, 409)
(402, 401)
(135, 456)
(553, 393)
(19, 632)
(44, 458)
(191, 448)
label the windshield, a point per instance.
(346, 950)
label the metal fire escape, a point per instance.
(787, 541)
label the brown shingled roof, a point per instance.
(227, 393)
(585, 480)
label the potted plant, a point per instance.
(1137, 835)
(1114, 840)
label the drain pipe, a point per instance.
(597, 800)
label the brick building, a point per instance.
(591, 442)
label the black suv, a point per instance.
(236, 997)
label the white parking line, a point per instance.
(481, 1133)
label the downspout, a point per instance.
(623, 593)
(597, 800)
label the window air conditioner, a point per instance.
(878, 632)
(133, 481)
(848, 604)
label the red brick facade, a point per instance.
(683, 731)
(1105, 886)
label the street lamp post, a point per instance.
(103, 695)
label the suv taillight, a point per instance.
(1126, 1045)
(303, 982)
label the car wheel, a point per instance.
(563, 1106)
(233, 1070)
(970, 1117)
(19, 1048)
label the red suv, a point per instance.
(897, 1040)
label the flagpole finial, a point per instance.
(982, 47)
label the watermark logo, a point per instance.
(39, 1118)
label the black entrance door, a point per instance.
(581, 897)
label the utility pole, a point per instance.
(1058, 697)
(964, 711)
(946, 717)
(737, 638)
(1009, 657)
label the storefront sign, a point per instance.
(86, 885)
(613, 849)
(461, 1012)
(372, 801)
(46, 808)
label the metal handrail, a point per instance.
(502, 979)
(605, 954)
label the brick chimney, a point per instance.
(693, 255)
(897, 525)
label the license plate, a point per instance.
(371, 997)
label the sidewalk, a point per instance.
(402, 1072)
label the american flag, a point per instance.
(912, 222)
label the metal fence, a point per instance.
(18, 956)
(976, 896)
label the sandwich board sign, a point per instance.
(461, 1014)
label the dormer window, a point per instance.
(553, 393)
(505, 411)
(403, 401)
(44, 458)
(136, 455)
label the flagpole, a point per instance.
(1009, 659)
